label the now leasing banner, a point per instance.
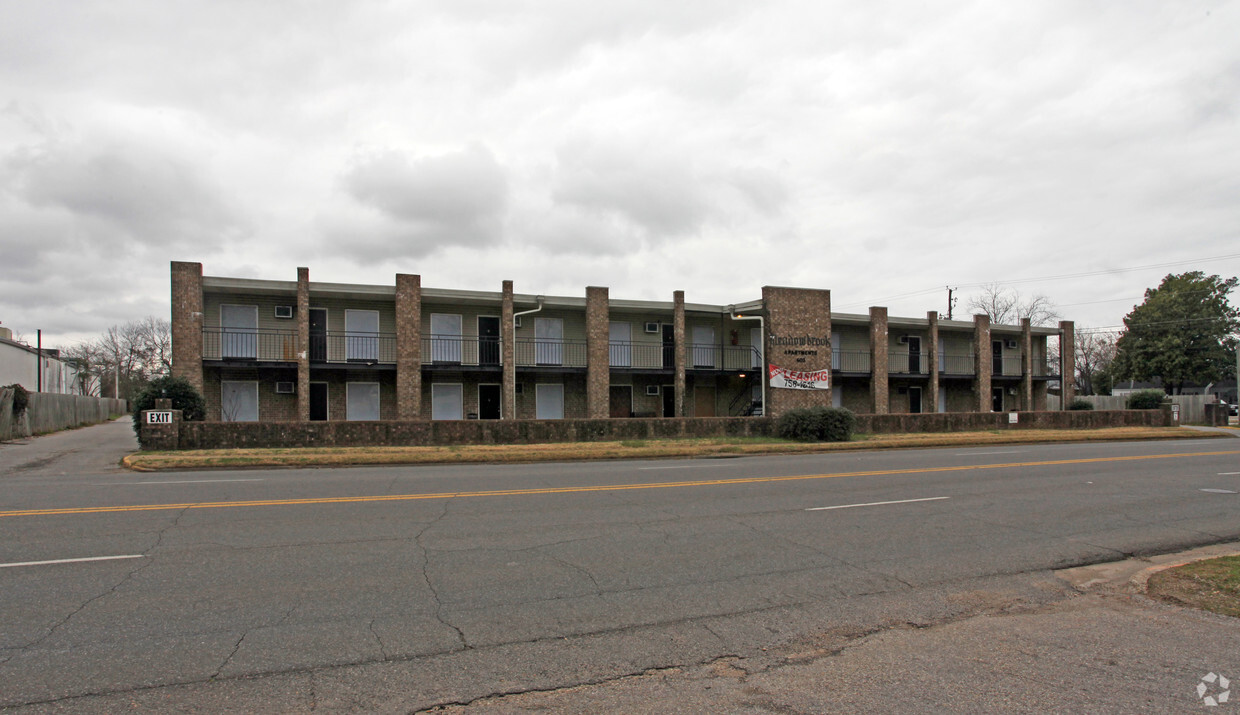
(796, 380)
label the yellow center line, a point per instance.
(598, 488)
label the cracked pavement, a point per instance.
(405, 605)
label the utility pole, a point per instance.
(951, 301)
(39, 364)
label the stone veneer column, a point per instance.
(678, 329)
(303, 344)
(878, 360)
(932, 338)
(408, 346)
(187, 322)
(598, 360)
(1067, 361)
(508, 355)
(983, 366)
(1026, 364)
(798, 328)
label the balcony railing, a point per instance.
(545, 352)
(1007, 366)
(723, 357)
(850, 360)
(956, 364)
(352, 346)
(458, 350)
(908, 363)
(249, 344)
(1045, 367)
(648, 356)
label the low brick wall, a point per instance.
(217, 435)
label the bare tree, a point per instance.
(125, 357)
(1094, 353)
(1006, 306)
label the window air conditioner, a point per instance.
(1011, 344)
(284, 311)
(904, 340)
(652, 327)
(516, 322)
(286, 388)
(652, 389)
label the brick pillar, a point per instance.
(598, 358)
(983, 367)
(798, 337)
(508, 355)
(1026, 364)
(878, 360)
(678, 327)
(187, 322)
(932, 338)
(408, 347)
(303, 344)
(1067, 360)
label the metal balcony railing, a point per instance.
(850, 360)
(1043, 367)
(723, 357)
(908, 363)
(546, 352)
(649, 356)
(1007, 366)
(461, 350)
(249, 344)
(956, 364)
(354, 346)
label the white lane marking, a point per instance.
(875, 503)
(1228, 474)
(979, 454)
(184, 481)
(683, 466)
(1218, 491)
(70, 561)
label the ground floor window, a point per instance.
(446, 401)
(239, 401)
(361, 401)
(549, 402)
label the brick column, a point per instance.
(187, 322)
(932, 339)
(1026, 364)
(983, 367)
(508, 355)
(408, 347)
(598, 359)
(303, 344)
(1067, 358)
(878, 360)
(798, 337)
(678, 328)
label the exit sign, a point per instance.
(159, 418)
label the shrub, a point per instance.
(1080, 404)
(183, 395)
(817, 424)
(1145, 400)
(21, 399)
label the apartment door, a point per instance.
(318, 335)
(318, 401)
(669, 400)
(996, 352)
(703, 401)
(914, 354)
(669, 346)
(996, 399)
(914, 400)
(621, 399)
(489, 402)
(488, 341)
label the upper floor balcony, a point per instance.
(249, 344)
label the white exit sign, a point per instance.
(159, 418)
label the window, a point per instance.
(620, 350)
(704, 346)
(549, 341)
(361, 335)
(446, 334)
(239, 331)
(549, 402)
(446, 401)
(238, 401)
(361, 401)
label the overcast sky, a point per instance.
(883, 150)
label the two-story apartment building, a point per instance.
(268, 350)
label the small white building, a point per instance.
(19, 363)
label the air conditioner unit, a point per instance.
(1011, 344)
(516, 322)
(652, 389)
(652, 327)
(904, 340)
(284, 311)
(286, 388)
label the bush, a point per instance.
(817, 424)
(1079, 404)
(21, 399)
(1145, 400)
(183, 395)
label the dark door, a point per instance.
(488, 342)
(996, 399)
(669, 401)
(318, 401)
(996, 352)
(488, 401)
(914, 400)
(318, 337)
(914, 356)
(669, 346)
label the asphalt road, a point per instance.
(405, 588)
